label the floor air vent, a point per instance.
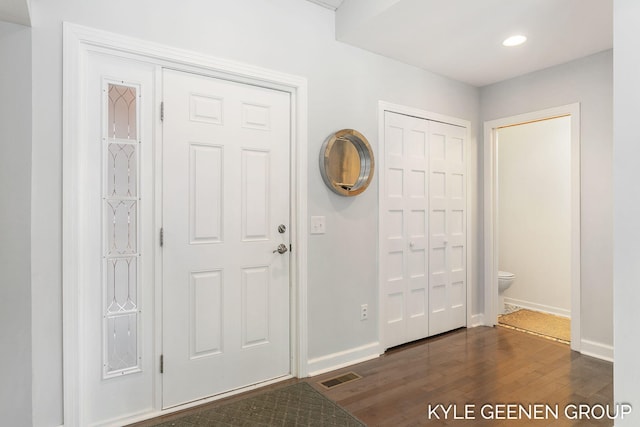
(336, 381)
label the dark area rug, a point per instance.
(296, 405)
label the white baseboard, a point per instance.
(538, 307)
(341, 359)
(476, 320)
(597, 350)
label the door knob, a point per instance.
(282, 248)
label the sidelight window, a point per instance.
(120, 228)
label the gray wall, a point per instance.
(15, 223)
(293, 36)
(588, 81)
(626, 192)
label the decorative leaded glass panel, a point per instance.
(121, 198)
(122, 230)
(122, 342)
(122, 283)
(122, 112)
(122, 170)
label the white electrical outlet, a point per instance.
(364, 312)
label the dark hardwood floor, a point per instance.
(474, 366)
(477, 367)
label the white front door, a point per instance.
(225, 212)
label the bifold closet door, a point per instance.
(447, 228)
(423, 229)
(404, 236)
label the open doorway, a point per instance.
(532, 217)
(534, 227)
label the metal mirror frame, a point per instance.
(366, 162)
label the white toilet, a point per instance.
(505, 280)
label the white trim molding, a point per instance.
(491, 211)
(476, 320)
(341, 359)
(421, 114)
(78, 43)
(597, 350)
(538, 307)
(329, 4)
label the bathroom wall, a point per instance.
(15, 221)
(345, 85)
(588, 81)
(534, 213)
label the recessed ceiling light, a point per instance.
(514, 40)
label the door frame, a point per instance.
(384, 107)
(79, 42)
(491, 211)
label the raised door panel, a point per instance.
(255, 195)
(256, 287)
(206, 205)
(207, 313)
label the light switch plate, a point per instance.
(318, 225)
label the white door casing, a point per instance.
(226, 192)
(423, 169)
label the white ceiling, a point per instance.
(462, 39)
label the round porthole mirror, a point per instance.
(346, 162)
